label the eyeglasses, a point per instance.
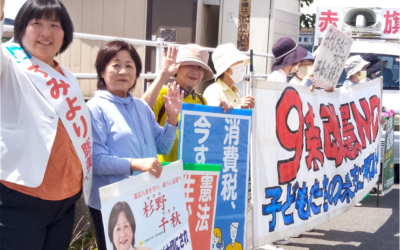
(306, 63)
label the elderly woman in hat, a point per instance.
(189, 66)
(288, 56)
(287, 59)
(355, 68)
(305, 69)
(374, 68)
(230, 64)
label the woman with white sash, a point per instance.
(45, 140)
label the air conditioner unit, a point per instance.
(362, 22)
(211, 2)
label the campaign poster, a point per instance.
(201, 183)
(209, 136)
(145, 212)
(315, 155)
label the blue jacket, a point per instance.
(123, 128)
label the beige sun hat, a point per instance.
(193, 54)
(354, 64)
(225, 55)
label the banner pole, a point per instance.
(252, 165)
(377, 200)
(251, 72)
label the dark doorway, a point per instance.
(173, 20)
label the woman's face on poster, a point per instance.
(122, 234)
(214, 239)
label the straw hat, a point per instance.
(287, 52)
(225, 55)
(354, 64)
(193, 54)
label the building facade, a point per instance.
(306, 38)
(204, 22)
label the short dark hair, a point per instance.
(119, 207)
(37, 9)
(108, 52)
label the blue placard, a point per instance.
(209, 136)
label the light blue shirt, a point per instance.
(348, 83)
(123, 128)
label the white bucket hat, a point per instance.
(225, 55)
(354, 64)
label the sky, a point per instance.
(309, 9)
(11, 8)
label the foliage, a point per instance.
(307, 20)
(86, 242)
(83, 240)
(307, 2)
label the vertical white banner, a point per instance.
(324, 17)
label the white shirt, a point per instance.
(295, 80)
(28, 126)
(219, 91)
(277, 76)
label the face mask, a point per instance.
(363, 75)
(304, 71)
(295, 68)
(238, 73)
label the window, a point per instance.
(390, 71)
(312, 39)
(305, 39)
(299, 39)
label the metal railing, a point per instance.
(159, 45)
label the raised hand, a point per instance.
(169, 65)
(173, 103)
(2, 3)
(169, 68)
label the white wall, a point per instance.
(264, 32)
(228, 27)
(259, 33)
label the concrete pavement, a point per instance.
(368, 228)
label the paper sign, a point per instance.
(333, 53)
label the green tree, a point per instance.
(307, 20)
